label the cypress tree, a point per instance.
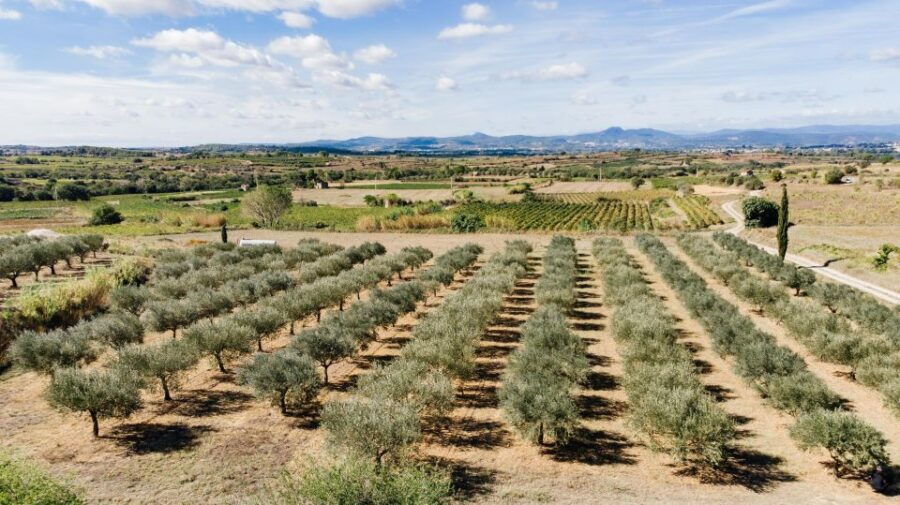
(783, 223)
(224, 234)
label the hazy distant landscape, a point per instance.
(250, 252)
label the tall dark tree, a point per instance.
(783, 223)
(224, 234)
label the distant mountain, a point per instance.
(614, 138)
(619, 138)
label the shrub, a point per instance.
(833, 176)
(45, 352)
(22, 483)
(100, 393)
(71, 192)
(105, 214)
(164, 361)
(852, 444)
(353, 481)
(759, 212)
(276, 375)
(266, 204)
(467, 223)
(371, 429)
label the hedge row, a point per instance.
(669, 404)
(383, 419)
(557, 284)
(778, 374)
(872, 358)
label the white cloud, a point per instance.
(10, 15)
(374, 54)
(372, 82)
(888, 54)
(296, 19)
(175, 8)
(99, 52)
(313, 51)
(353, 8)
(583, 98)
(563, 71)
(467, 30)
(545, 6)
(475, 12)
(445, 83)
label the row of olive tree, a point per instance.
(383, 420)
(669, 405)
(542, 374)
(829, 336)
(18, 256)
(779, 375)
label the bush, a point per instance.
(834, 176)
(71, 192)
(353, 481)
(852, 444)
(266, 204)
(105, 214)
(100, 393)
(759, 212)
(467, 223)
(22, 483)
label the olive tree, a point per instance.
(539, 404)
(115, 330)
(326, 344)
(265, 322)
(852, 444)
(164, 361)
(100, 393)
(167, 315)
(45, 352)
(797, 278)
(279, 374)
(375, 429)
(222, 341)
(411, 382)
(14, 263)
(129, 298)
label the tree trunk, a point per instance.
(318, 315)
(174, 333)
(37, 274)
(15, 285)
(326, 373)
(283, 402)
(541, 434)
(259, 344)
(358, 295)
(95, 423)
(220, 363)
(341, 305)
(165, 387)
(53, 269)
(292, 326)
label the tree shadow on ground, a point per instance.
(306, 416)
(594, 407)
(600, 381)
(719, 393)
(493, 351)
(476, 433)
(468, 481)
(149, 438)
(750, 469)
(204, 402)
(502, 336)
(593, 447)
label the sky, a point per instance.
(146, 73)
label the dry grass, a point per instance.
(850, 204)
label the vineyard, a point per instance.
(540, 216)
(697, 210)
(322, 374)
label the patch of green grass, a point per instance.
(22, 483)
(39, 213)
(403, 185)
(326, 217)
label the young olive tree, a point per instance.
(129, 299)
(852, 444)
(539, 404)
(375, 429)
(115, 330)
(167, 315)
(45, 352)
(326, 345)
(265, 322)
(222, 341)
(283, 373)
(100, 393)
(14, 263)
(165, 362)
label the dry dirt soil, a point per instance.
(217, 444)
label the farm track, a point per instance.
(885, 294)
(867, 403)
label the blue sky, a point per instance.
(179, 72)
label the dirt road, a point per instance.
(877, 291)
